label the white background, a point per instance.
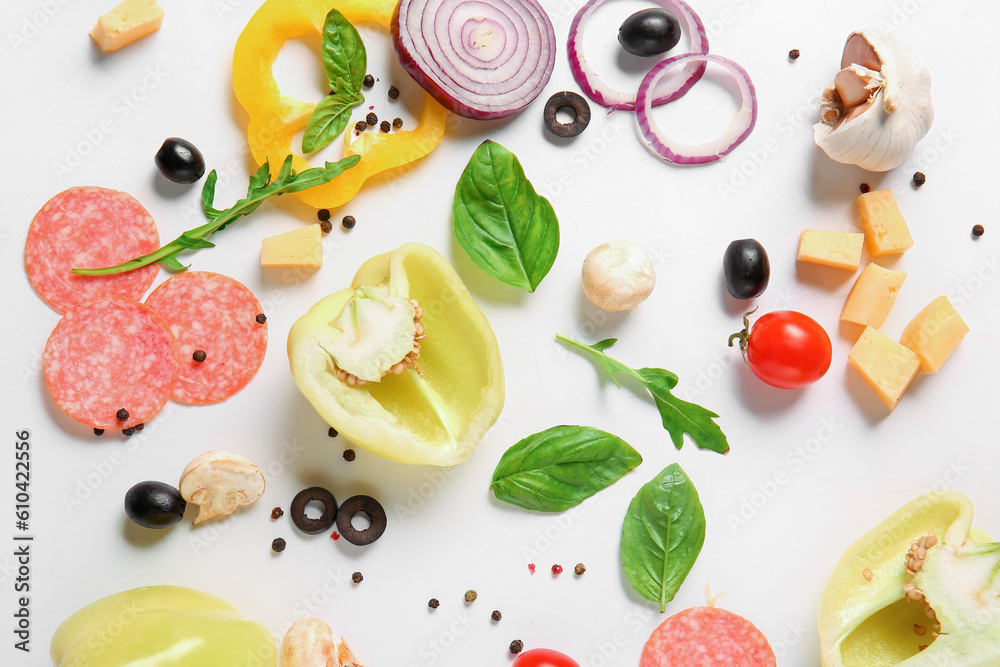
(843, 461)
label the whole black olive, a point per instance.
(180, 161)
(649, 32)
(746, 268)
(154, 504)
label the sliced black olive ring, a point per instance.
(370, 508)
(575, 103)
(298, 510)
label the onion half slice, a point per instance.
(481, 59)
(739, 128)
(619, 100)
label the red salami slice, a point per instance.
(211, 313)
(107, 354)
(707, 637)
(87, 228)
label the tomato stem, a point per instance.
(743, 336)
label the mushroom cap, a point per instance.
(219, 482)
(618, 275)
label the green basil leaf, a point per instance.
(662, 535)
(329, 119)
(508, 230)
(561, 467)
(678, 417)
(344, 55)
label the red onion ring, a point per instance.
(481, 59)
(740, 127)
(602, 94)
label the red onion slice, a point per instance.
(739, 129)
(481, 59)
(602, 94)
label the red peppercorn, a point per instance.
(557, 569)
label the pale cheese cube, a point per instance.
(299, 247)
(885, 365)
(882, 222)
(934, 333)
(841, 250)
(129, 21)
(872, 296)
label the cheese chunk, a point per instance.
(130, 21)
(841, 250)
(885, 365)
(872, 296)
(934, 334)
(299, 247)
(883, 224)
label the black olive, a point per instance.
(746, 268)
(180, 161)
(302, 520)
(154, 504)
(361, 505)
(649, 32)
(572, 102)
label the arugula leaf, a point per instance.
(329, 119)
(261, 187)
(508, 230)
(561, 467)
(679, 417)
(662, 535)
(344, 55)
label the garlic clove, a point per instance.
(877, 131)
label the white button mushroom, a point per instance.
(219, 482)
(311, 643)
(618, 275)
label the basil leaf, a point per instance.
(678, 417)
(508, 230)
(344, 55)
(329, 119)
(662, 535)
(561, 467)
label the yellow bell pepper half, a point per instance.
(435, 413)
(902, 596)
(275, 118)
(161, 626)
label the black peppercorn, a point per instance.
(326, 226)
(121, 415)
(978, 230)
(397, 123)
(323, 214)
(199, 356)
(433, 603)
(865, 188)
(128, 432)
(371, 118)
(369, 81)
(349, 455)
(384, 126)
(139, 427)
(98, 431)
(794, 54)
(278, 545)
(261, 318)
(516, 646)
(332, 432)
(357, 577)
(919, 179)
(393, 92)
(348, 222)
(496, 616)
(361, 126)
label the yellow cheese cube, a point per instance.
(885, 365)
(934, 334)
(130, 21)
(841, 250)
(883, 223)
(872, 296)
(299, 247)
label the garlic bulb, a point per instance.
(879, 105)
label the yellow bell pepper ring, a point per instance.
(921, 589)
(403, 363)
(161, 626)
(275, 118)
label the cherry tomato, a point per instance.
(785, 349)
(543, 657)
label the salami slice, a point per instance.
(87, 228)
(707, 637)
(108, 354)
(211, 313)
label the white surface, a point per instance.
(809, 471)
